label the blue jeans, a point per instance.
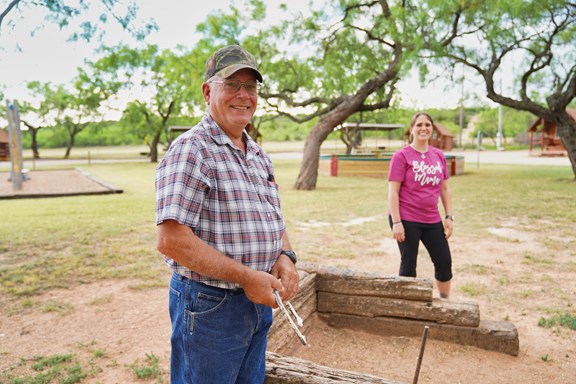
(218, 335)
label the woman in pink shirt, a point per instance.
(417, 178)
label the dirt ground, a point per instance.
(110, 327)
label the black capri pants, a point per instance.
(433, 238)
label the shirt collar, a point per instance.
(221, 138)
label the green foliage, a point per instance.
(87, 20)
(108, 239)
(564, 320)
(42, 363)
(486, 192)
(546, 358)
(283, 129)
(164, 75)
(514, 122)
(63, 242)
(60, 369)
(149, 369)
(70, 109)
(336, 54)
(55, 306)
(106, 133)
(476, 269)
(131, 130)
(526, 43)
(473, 289)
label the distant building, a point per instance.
(4, 145)
(441, 138)
(544, 134)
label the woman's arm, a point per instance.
(394, 207)
(446, 197)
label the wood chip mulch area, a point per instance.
(54, 183)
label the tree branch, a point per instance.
(290, 101)
(7, 11)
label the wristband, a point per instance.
(290, 254)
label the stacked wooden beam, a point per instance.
(385, 306)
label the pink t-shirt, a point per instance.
(421, 180)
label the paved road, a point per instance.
(51, 163)
(471, 157)
(510, 157)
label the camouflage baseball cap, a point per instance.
(228, 60)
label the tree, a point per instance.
(514, 122)
(40, 116)
(344, 59)
(76, 109)
(351, 137)
(160, 86)
(535, 38)
(63, 12)
(72, 108)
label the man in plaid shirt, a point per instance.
(221, 231)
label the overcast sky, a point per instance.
(48, 57)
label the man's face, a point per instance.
(231, 110)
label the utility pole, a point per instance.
(461, 108)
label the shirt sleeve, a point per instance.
(397, 168)
(181, 185)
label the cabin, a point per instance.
(544, 134)
(441, 138)
(4, 145)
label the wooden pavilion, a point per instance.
(441, 138)
(351, 134)
(544, 133)
(4, 145)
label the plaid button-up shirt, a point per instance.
(229, 199)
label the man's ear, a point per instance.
(206, 92)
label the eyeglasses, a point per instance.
(233, 85)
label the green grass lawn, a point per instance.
(58, 242)
(51, 243)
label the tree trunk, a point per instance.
(69, 146)
(343, 108)
(154, 148)
(567, 133)
(34, 137)
(310, 160)
(556, 112)
(311, 157)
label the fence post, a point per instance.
(334, 165)
(15, 142)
